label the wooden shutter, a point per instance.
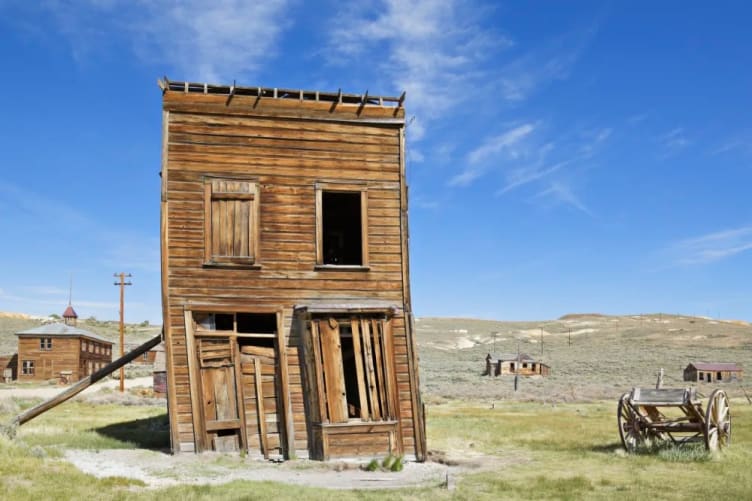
(231, 221)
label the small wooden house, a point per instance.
(702, 372)
(147, 358)
(513, 364)
(285, 275)
(59, 351)
(9, 367)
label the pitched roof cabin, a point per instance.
(522, 364)
(59, 351)
(704, 372)
(285, 274)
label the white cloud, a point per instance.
(523, 175)
(45, 290)
(434, 49)
(207, 41)
(713, 247)
(562, 193)
(527, 74)
(507, 143)
(674, 141)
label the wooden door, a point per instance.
(264, 427)
(219, 394)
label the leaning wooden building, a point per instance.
(285, 274)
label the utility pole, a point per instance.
(541, 340)
(517, 367)
(122, 283)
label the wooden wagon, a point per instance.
(650, 417)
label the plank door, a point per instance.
(264, 427)
(219, 394)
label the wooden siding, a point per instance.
(286, 147)
(64, 355)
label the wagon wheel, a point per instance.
(717, 422)
(629, 425)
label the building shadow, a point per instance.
(147, 433)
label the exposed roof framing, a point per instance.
(335, 98)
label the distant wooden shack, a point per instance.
(510, 364)
(146, 358)
(9, 367)
(285, 275)
(60, 351)
(703, 372)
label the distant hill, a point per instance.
(10, 323)
(592, 356)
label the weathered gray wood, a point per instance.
(77, 388)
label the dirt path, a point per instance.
(51, 391)
(157, 469)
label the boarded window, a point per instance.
(354, 367)
(27, 367)
(45, 343)
(341, 225)
(231, 213)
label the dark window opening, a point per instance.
(511, 366)
(27, 367)
(341, 233)
(260, 342)
(524, 365)
(702, 376)
(45, 343)
(351, 380)
(257, 323)
(718, 376)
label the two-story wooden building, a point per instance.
(285, 274)
(60, 351)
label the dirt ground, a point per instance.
(51, 391)
(157, 469)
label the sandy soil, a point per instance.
(157, 469)
(51, 391)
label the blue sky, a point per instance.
(563, 156)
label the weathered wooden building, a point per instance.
(9, 367)
(703, 372)
(285, 275)
(59, 351)
(511, 363)
(147, 358)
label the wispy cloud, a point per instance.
(712, 247)
(527, 153)
(433, 49)
(522, 77)
(561, 192)
(211, 41)
(674, 141)
(45, 290)
(741, 143)
(527, 174)
(507, 143)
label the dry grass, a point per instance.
(607, 355)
